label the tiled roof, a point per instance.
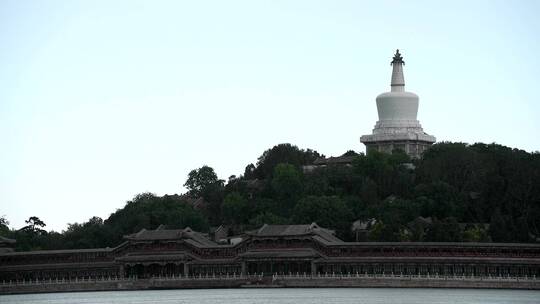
(155, 235)
(292, 230)
(157, 257)
(282, 230)
(171, 234)
(61, 251)
(334, 160)
(282, 253)
(4, 240)
(328, 236)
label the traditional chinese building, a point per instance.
(270, 250)
(345, 161)
(398, 127)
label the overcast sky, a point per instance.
(101, 100)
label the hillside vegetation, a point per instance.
(456, 192)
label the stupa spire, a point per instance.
(398, 81)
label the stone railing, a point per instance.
(81, 280)
(76, 280)
(213, 276)
(275, 277)
(403, 276)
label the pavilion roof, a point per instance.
(319, 233)
(195, 238)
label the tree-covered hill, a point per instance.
(456, 192)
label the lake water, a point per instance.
(285, 296)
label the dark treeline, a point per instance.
(455, 193)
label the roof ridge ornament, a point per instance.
(262, 228)
(397, 58)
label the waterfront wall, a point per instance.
(124, 284)
(257, 281)
(409, 282)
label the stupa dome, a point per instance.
(397, 105)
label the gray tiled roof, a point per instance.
(155, 235)
(197, 238)
(282, 230)
(334, 160)
(282, 253)
(155, 257)
(4, 240)
(60, 251)
(326, 235)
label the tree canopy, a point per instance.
(280, 154)
(200, 180)
(455, 192)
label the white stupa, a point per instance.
(398, 127)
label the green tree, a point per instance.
(350, 153)
(452, 163)
(287, 186)
(327, 211)
(316, 183)
(397, 211)
(447, 230)
(387, 171)
(475, 234)
(35, 225)
(204, 182)
(498, 228)
(4, 226)
(369, 192)
(341, 180)
(357, 206)
(200, 179)
(381, 232)
(417, 232)
(91, 234)
(443, 200)
(32, 236)
(149, 211)
(376, 166)
(213, 194)
(235, 209)
(250, 172)
(279, 154)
